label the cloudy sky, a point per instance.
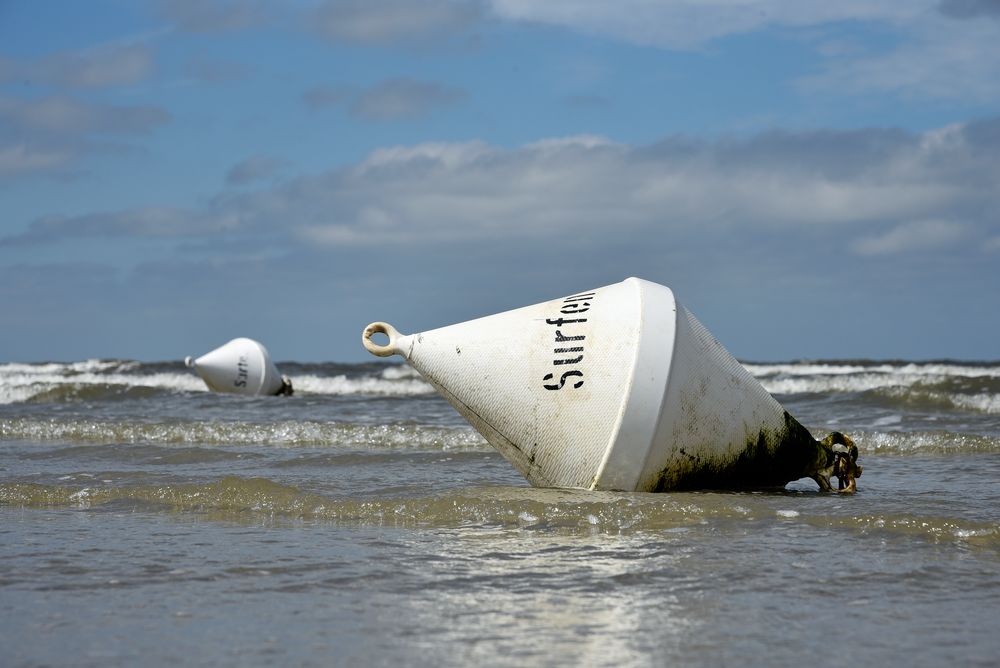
(814, 179)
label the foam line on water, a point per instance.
(288, 433)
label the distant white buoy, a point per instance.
(241, 366)
(617, 388)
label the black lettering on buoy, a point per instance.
(570, 306)
(559, 322)
(241, 372)
(572, 361)
(561, 339)
(562, 380)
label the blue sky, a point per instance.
(813, 179)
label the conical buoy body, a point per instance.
(616, 388)
(241, 366)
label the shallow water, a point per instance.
(361, 521)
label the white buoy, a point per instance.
(617, 388)
(241, 366)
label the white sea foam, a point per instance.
(840, 383)
(983, 403)
(764, 370)
(925, 442)
(900, 387)
(289, 433)
(962, 387)
(887, 420)
(912, 369)
(20, 382)
(17, 385)
(64, 369)
(831, 378)
(13, 395)
(363, 385)
(400, 372)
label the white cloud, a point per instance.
(64, 115)
(776, 188)
(970, 9)
(936, 58)
(389, 21)
(147, 222)
(216, 71)
(448, 155)
(46, 135)
(921, 235)
(686, 24)
(392, 99)
(254, 168)
(214, 15)
(941, 48)
(588, 184)
(19, 159)
(403, 98)
(321, 97)
(105, 66)
(933, 54)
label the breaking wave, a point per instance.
(95, 380)
(925, 442)
(873, 368)
(949, 386)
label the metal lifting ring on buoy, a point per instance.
(378, 349)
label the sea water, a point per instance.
(363, 522)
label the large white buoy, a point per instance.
(241, 366)
(617, 388)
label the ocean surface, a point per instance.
(145, 520)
